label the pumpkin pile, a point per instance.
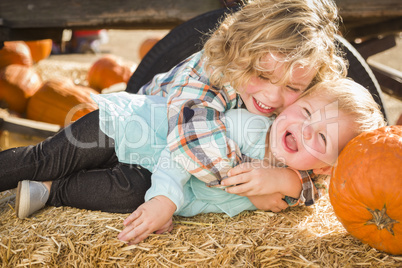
(57, 101)
(365, 188)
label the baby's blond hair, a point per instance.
(300, 31)
(354, 100)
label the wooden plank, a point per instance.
(28, 127)
(359, 9)
(376, 45)
(27, 19)
(371, 28)
(101, 13)
(40, 19)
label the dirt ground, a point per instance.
(126, 43)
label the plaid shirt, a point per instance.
(197, 135)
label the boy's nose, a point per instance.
(307, 132)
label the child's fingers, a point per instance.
(139, 238)
(167, 227)
(131, 233)
(239, 169)
(129, 228)
(279, 207)
(131, 218)
(239, 189)
(231, 181)
(237, 180)
(123, 235)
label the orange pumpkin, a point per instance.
(107, 71)
(60, 101)
(147, 45)
(17, 84)
(40, 49)
(365, 188)
(15, 52)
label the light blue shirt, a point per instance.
(138, 124)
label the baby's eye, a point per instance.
(323, 138)
(308, 114)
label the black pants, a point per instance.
(81, 162)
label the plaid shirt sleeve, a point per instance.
(197, 135)
(313, 188)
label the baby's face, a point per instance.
(310, 133)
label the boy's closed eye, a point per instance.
(308, 115)
(323, 138)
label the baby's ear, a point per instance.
(324, 170)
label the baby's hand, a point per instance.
(259, 178)
(272, 202)
(250, 179)
(152, 216)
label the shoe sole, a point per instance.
(22, 204)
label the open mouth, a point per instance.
(290, 143)
(261, 107)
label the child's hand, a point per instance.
(251, 179)
(272, 202)
(259, 178)
(167, 227)
(154, 215)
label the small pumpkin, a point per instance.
(40, 49)
(107, 71)
(17, 84)
(365, 188)
(59, 101)
(15, 52)
(146, 46)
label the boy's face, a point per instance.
(310, 133)
(265, 96)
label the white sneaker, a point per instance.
(31, 197)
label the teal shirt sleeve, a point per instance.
(137, 123)
(168, 179)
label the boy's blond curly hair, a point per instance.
(302, 32)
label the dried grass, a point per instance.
(297, 237)
(70, 237)
(76, 71)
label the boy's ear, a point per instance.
(324, 170)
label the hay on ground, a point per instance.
(297, 237)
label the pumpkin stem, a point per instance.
(381, 219)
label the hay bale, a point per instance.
(297, 237)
